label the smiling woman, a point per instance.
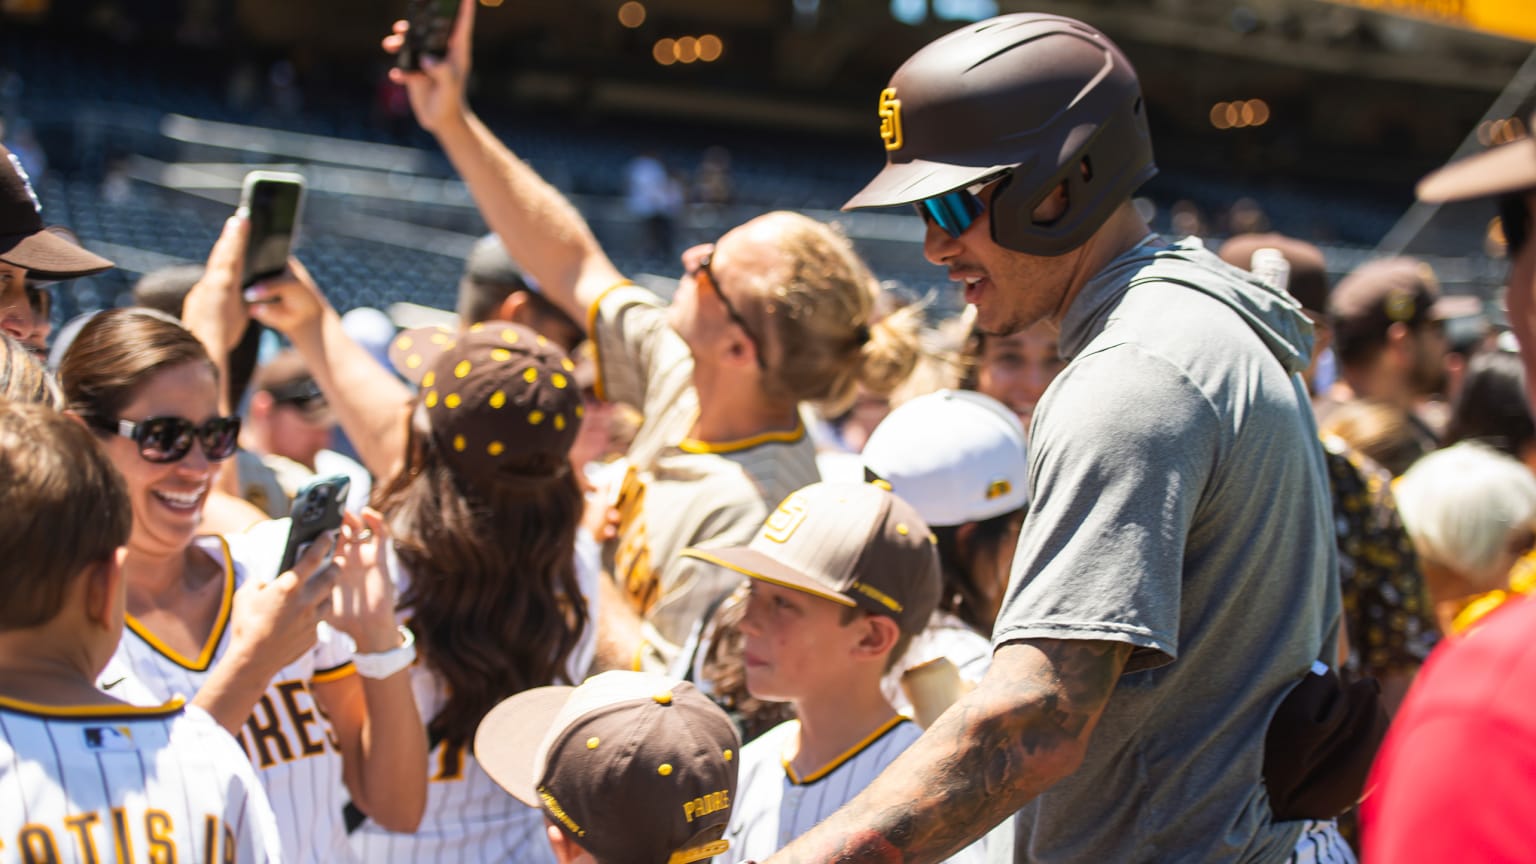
(264, 666)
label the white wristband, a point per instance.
(387, 663)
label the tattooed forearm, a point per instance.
(1023, 729)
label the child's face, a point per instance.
(796, 644)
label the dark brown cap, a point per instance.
(502, 401)
(636, 768)
(1386, 291)
(24, 240)
(1309, 272)
(856, 544)
(1506, 168)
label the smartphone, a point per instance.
(317, 509)
(273, 199)
(431, 24)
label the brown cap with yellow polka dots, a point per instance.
(502, 401)
(635, 767)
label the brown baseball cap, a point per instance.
(25, 241)
(1507, 168)
(1309, 271)
(856, 544)
(635, 767)
(502, 401)
(1379, 293)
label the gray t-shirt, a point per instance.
(1179, 504)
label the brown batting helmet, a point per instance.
(1028, 98)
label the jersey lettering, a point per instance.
(302, 719)
(450, 763)
(162, 845)
(121, 845)
(82, 826)
(37, 846)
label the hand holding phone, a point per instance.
(317, 508)
(431, 24)
(273, 200)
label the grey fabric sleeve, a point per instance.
(628, 325)
(1123, 447)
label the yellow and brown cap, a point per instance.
(856, 544)
(502, 401)
(636, 768)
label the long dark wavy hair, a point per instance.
(493, 597)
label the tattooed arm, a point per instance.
(1023, 729)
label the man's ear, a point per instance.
(1399, 339)
(104, 589)
(565, 849)
(880, 635)
(515, 309)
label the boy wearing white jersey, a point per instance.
(843, 575)
(83, 776)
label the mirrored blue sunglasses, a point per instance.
(954, 212)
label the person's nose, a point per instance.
(938, 246)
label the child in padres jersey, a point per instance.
(628, 767)
(843, 575)
(83, 776)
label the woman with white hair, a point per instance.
(1471, 512)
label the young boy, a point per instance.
(843, 575)
(628, 768)
(83, 776)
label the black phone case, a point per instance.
(316, 509)
(431, 24)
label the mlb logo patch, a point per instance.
(109, 738)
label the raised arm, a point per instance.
(370, 403)
(1026, 727)
(541, 229)
(1521, 299)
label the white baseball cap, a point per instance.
(957, 456)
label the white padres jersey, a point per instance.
(773, 806)
(111, 783)
(469, 819)
(286, 737)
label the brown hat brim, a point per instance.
(752, 563)
(906, 182)
(508, 739)
(49, 257)
(1508, 168)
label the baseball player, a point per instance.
(843, 575)
(85, 777)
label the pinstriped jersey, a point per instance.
(469, 819)
(286, 737)
(119, 783)
(774, 806)
(683, 492)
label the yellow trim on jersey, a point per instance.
(93, 712)
(335, 673)
(704, 555)
(597, 351)
(205, 658)
(694, 445)
(851, 752)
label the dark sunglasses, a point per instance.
(169, 439)
(730, 310)
(955, 212)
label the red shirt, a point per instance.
(1456, 776)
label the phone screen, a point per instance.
(431, 24)
(274, 216)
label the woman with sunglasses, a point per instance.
(775, 313)
(206, 616)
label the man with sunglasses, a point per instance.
(31, 253)
(1176, 576)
